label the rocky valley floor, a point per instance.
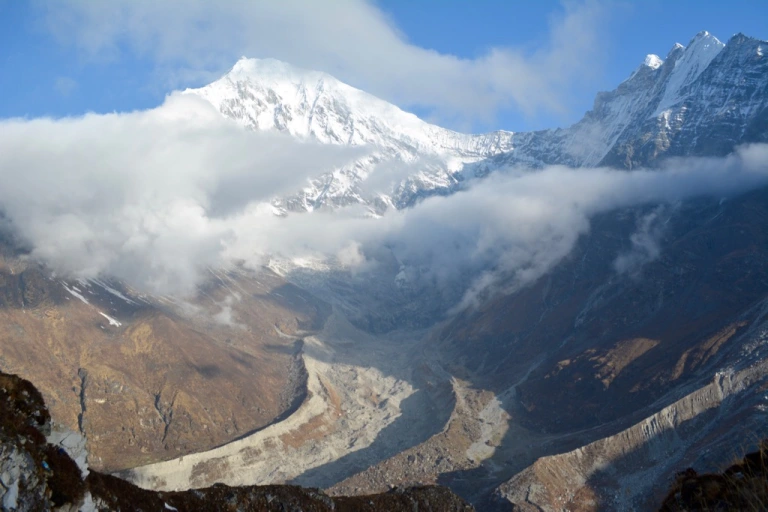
(386, 411)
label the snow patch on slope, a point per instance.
(695, 59)
(111, 320)
(653, 61)
(75, 292)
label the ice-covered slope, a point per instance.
(688, 64)
(703, 99)
(421, 158)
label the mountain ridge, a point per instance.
(266, 95)
(637, 124)
(647, 117)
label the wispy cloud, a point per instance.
(646, 242)
(65, 85)
(197, 40)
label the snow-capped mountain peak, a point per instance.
(703, 98)
(653, 61)
(273, 70)
(267, 94)
(676, 47)
(693, 60)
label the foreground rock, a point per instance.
(37, 475)
(742, 486)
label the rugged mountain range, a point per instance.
(702, 99)
(585, 390)
(617, 366)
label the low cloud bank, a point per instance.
(144, 196)
(156, 197)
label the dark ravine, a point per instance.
(295, 395)
(83, 374)
(35, 475)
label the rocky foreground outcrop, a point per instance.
(37, 475)
(742, 486)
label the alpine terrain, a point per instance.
(272, 95)
(641, 351)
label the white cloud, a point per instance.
(156, 197)
(144, 196)
(510, 228)
(646, 242)
(351, 39)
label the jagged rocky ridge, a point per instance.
(629, 470)
(39, 474)
(702, 100)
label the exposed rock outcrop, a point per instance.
(742, 486)
(627, 471)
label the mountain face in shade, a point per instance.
(701, 100)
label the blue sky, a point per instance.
(47, 71)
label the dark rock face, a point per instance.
(601, 344)
(610, 343)
(742, 486)
(591, 351)
(35, 475)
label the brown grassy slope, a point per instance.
(165, 382)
